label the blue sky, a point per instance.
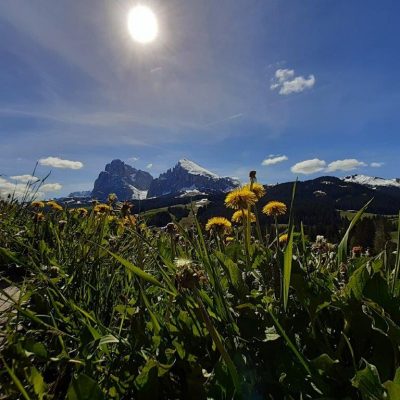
(227, 84)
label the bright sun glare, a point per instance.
(142, 24)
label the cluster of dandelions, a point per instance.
(120, 215)
(243, 201)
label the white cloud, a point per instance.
(50, 187)
(17, 190)
(308, 166)
(317, 165)
(345, 165)
(288, 83)
(24, 178)
(283, 75)
(271, 160)
(133, 159)
(60, 163)
(376, 164)
(149, 166)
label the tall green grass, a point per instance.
(113, 311)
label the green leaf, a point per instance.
(271, 334)
(37, 381)
(324, 362)
(356, 283)
(154, 320)
(279, 327)
(148, 374)
(137, 271)
(397, 262)
(235, 274)
(84, 388)
(16, 381)
(83, 312)
(179, 348)
(342, 249)
(36, 348)
(108, 339)
(393, 390)
(367, 381)
(287, 269)
(7, 256)
(393, 387)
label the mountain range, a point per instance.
(129, 183)
(188, 181)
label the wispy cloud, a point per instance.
(57, 162)
(149, 166)
(287, 83)
(51, 187)
(220, 121)
(376, 164)
(24, 178)
(271, 160)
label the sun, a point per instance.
(142, 24)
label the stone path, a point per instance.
(6, 303)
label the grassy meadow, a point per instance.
(110, 308)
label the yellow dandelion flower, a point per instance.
(101, 208)
(238, 216)
(39, 217)
(37, 204)
(220, 224)
(274, 208)
(81, 211)
(283, 238)
(129, 220)
(54, 206)
(257, 189)
(240, 198)
(111, 219)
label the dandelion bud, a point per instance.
(170, 228)
(54, 271)
(188, 275)
(112, 197)
(62, 223)
(126, 208)
(38, 217)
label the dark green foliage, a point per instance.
(105, 311)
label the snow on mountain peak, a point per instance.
(195, 169)
(371, 181)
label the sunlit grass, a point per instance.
(109, 307)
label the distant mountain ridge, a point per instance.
(372, 181)
(188, 180)
(82, 193)
(186, 175)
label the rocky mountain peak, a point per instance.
(187, 175)
(122, 179)
(195, 169)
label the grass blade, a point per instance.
(287, 268)
(397, 263)
(342, 249)
(136, 270)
